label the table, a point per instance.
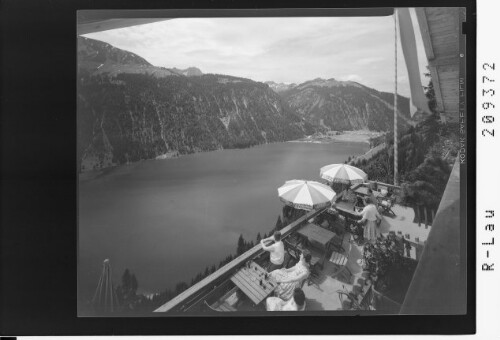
(363, 191)
(321, 235)
(248, 281)
(315, 232)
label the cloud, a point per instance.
(352, 77)
(291, 50)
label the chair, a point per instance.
(339, 258)
(348, 300)
(366, 302)
(359, 203)
(351, 301)
(293, 248)
(386, 206)
(314, 271)
(337, 243)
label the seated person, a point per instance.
(370, 197)
(276, 250)
(359, 203)
(290, 278)
(296, 303)
(383, 191)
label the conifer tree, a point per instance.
(240, 249)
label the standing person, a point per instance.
(276, 250)
(371, 216)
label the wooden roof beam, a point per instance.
(424, 30)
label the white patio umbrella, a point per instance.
(306, 195)
(342, 173)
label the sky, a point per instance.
(289, 50)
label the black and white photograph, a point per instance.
(271, 165)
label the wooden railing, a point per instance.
(181, 301)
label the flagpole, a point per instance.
(396, 174)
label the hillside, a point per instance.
(128, 113)
(426, 155)
(97, 57)
(130, 110)
(345, 105)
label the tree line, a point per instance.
(425, 157)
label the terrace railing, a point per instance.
(196, 292)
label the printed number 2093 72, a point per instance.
(487, 93)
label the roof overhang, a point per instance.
(91, 21)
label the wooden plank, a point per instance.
(446, 34)
(424, 30)
(246, 288)
(449, 100)
(446, 49)
(246, 276)
(256, 284)
(441, 13)
(449, 76)
(442, 25)
(253, 289)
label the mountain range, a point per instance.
(344, 105)
(129, 110)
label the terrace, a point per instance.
(438, 249)
(338, 279)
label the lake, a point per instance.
(166, 220)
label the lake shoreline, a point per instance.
(358, 136)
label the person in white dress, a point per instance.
(296, 303)
(290, 278)
(370, 217)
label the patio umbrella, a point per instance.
(306, 195)
(342, 173)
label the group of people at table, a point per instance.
(288, 295)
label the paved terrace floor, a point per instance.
(401, 223)
(322, 293)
